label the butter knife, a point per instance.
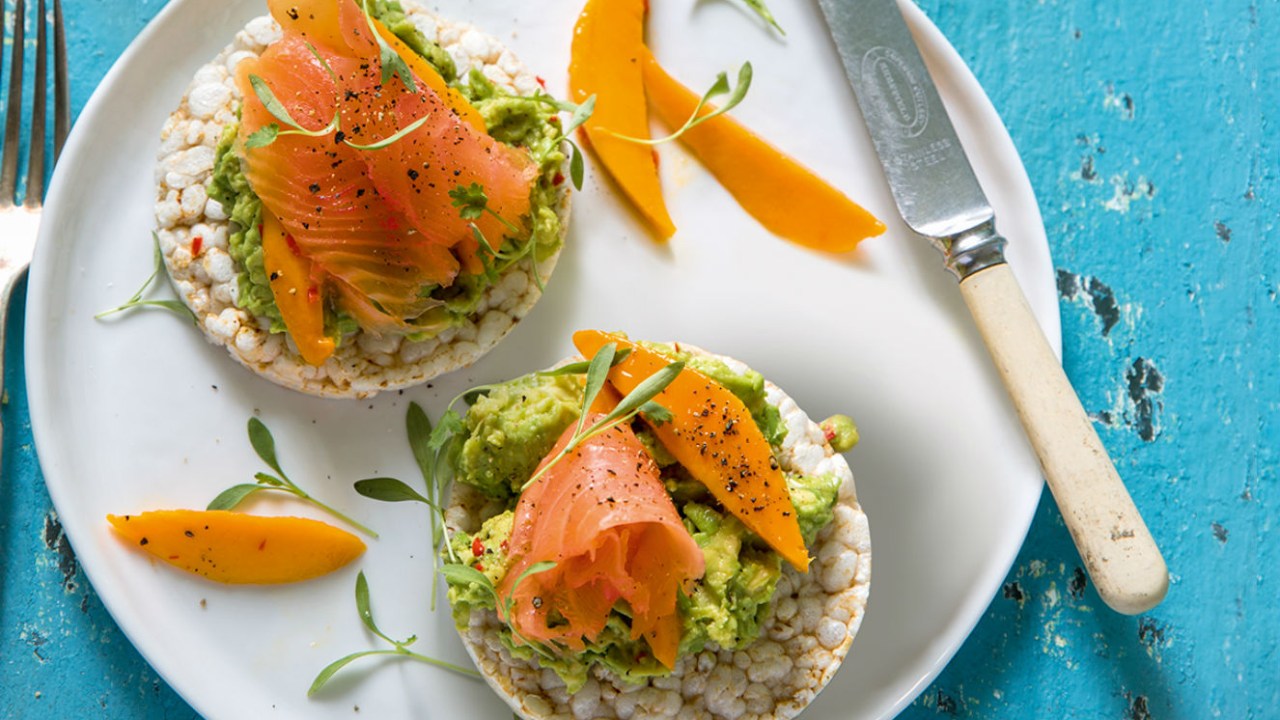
(940, 199)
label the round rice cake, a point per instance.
(802, 643)
(207, 280)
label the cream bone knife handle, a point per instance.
(1118, 550)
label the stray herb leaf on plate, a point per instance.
(174, 306)
(264, 444)
(399, 647)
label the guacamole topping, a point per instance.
(530, 123)
(514, 425)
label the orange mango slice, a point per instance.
(783, 195)
(607, 51)
(298, 296)
(714, 437)
(235, 548)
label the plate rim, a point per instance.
(934, 44)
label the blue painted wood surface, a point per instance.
(1146, 131)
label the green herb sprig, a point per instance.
(177, 307)
(639, 400)
(578, 114)
(398, 647)
(264, 445)
(762, 10)
(472, 203)
(392, 63)
(721, 86)
(385, 489)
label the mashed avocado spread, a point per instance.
(515, 120)
(511, 428)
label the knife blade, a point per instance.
(940, 198)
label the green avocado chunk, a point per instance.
(510, 430)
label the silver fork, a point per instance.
(18, 223)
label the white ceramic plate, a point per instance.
(141, 413)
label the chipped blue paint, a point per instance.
(1146, 130)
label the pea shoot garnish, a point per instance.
(177, 307)
(265, 446)
(398, 647)
(720, 87)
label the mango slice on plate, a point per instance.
(236, 548)
(783, 195)
(607, 51)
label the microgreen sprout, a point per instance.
(264, 445)
(762, 10)
(399, 647)
(720, 87)
(176, 307)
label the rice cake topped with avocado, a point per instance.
(363, 328)
(758, 639)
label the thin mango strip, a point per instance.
(783, 195)
(296, 294)
(236, 548)
(607, 51)
(713, 435)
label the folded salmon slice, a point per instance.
(603, 517)
(378, 225)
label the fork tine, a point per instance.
(61, 88)
(34, 194)
(9, 166)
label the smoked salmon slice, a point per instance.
(603, 517)
(377, 224)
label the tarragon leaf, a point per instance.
(418, 427)
(390, 490)
(174, 306)
(581, 366)
(656, 413)
(264, 444)
(581, 114)
(272, 103)
(597, 373)
(577, 166)
(332, 668)
(364, 609)
(645, 391)
(233, 496)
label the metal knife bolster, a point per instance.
(971, 251)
